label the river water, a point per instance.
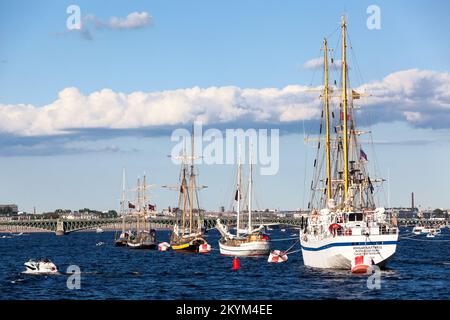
(419, 270)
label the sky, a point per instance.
(76, 106)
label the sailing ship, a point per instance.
(142, 237)
(122, 238)
(187, 233)
(345, 229)
(249, 242)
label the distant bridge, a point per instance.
(64, 226)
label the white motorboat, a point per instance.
(99, 230)
(40, 266)
(417, 230)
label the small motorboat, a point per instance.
(40, 266)
(99, 230)
(417, 230)
(431, 235)
(122, 239)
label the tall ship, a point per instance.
(142, 237)
(187, 234)
(121, 238)
(249, 241)
(345, 229)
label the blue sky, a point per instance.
(244, 44)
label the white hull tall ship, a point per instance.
(340, 247)
(345, 229)
(253, 247)
(251, 242)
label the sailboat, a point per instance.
(187, 233)
(142, 237)
(345, 229)
(249, 243)
(122, 239)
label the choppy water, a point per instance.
(420, 270)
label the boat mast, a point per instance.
(238, 191)
(138, 189)
(122, 201)
(344, 109)
(250, 182)
(144, 201)
(327, 119)
(191, 185)
(183, 188)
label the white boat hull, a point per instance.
(254, 248)
(339, 252)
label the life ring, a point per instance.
(333, 228)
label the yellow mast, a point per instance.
(191, 185)
(344, 109)
(327, 118)
(183, 190)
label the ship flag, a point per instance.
(362, 154)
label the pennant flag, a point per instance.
(181, 189)
(131, 206)
(362, 154)
(151, 207)
(236, 195)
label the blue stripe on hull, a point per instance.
(349, 244)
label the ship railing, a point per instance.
(387, 230)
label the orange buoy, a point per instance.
(362, 264)
(236, 264)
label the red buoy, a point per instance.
(236, 264)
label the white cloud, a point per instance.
(132, 21)
(317, 63)
(115, 110)
(420, 98)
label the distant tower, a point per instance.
(412, 201)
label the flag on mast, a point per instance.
(362, 154)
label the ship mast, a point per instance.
(327, 119)
(344, 110)
(138, 190)
(122, 201)
(191, 185)
(250, 185)
(144, 201)
(238, 192)
(183, 191)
